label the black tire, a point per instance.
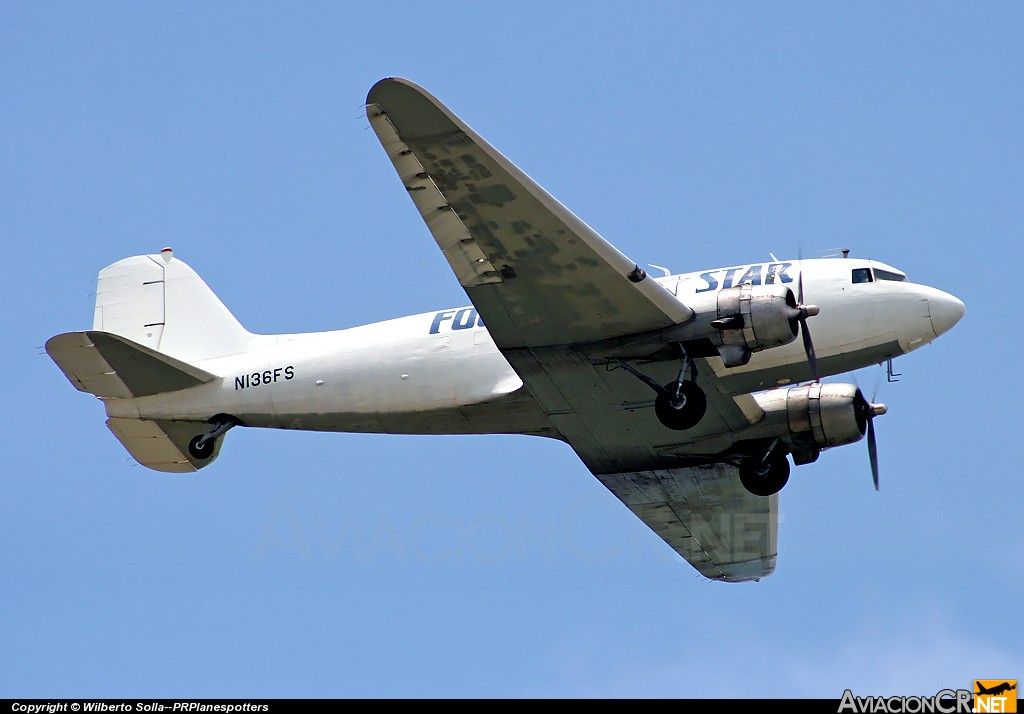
(201, 453)
(764, 479)
(688, 413)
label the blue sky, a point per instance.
(690, 135)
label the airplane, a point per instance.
(686, 395)
(996, 690)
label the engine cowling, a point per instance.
(823, 415)
(826, 413)
(753, 318)
(818, 416)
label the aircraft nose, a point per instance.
(945, 311)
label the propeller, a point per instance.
(866, 412)
(801, 311)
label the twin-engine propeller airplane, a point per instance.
(684, 394)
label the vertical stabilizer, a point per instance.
(159, 302)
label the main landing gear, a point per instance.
(201, 447)
(680, 404)
(766, 475)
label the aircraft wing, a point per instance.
(556, 297)
(537, 273)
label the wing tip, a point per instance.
(745, 571)
(413, 111)
(382, 86)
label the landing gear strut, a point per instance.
(765, 475)
(680, 404)
(201, 447)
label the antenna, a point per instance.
(662, 268)
(831, 252)
(772, 255)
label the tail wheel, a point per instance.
(201, 447)
(763, 478)
(201, 452)
(685, 409)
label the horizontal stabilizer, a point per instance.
(162, 445)
(110, 366)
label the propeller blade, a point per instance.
(800, 286)
(868, 411)
(873, 450)
(812, 357)
(803, 312)
(878, 385)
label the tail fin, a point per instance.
(155, 318)
(159, 302)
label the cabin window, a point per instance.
(889, 275)
(862, 275)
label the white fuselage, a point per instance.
(440, 372)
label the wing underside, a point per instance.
(707, 517)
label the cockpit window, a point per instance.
(889, 275)
(862, 275)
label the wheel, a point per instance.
(201, 452)
(764, 479)
(687, 412)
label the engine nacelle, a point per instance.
(753, 318)
(825, 413)
(818, 416)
